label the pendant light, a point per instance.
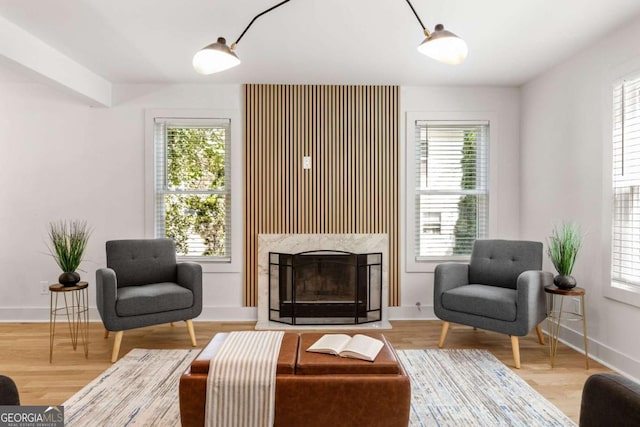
(441, 45)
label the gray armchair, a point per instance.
(9, 395)
(143, 285)
(501, 289)
(610, 399)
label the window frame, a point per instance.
(412, 261)
(233, 262)
(618, 291)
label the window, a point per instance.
(193, 186)
(625, 233)
(451, 187)
(431, 222)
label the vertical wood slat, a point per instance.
(352, 136)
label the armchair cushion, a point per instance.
(143, 261)
(482, 300)
(500, 262)
(153, 298)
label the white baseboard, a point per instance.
(613, 359)
(34, 314)
(220, 314)
(212, 313)
(411, 312)
(623, 363)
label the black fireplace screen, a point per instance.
(325, 288)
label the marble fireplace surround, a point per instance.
(296, 243)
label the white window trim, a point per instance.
(208, 265)
(428, 266)
(613, 290)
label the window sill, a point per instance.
(204, 259)
(428, 265)
(623, 293)
(213, 265)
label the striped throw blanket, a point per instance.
(242, 380)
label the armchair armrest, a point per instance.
(448, 276)
(190, 277)
(531, 299)
(106, 294)
(610, 399)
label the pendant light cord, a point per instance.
(262, 13)
(417, 17)
(287, 1)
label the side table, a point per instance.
(76, 309)
(555, 313)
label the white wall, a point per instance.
(566, 135)
(502, 106)
(61, 159)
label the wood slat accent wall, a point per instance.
(351, 134)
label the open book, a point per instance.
(358, 347)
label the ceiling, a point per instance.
(316, 41)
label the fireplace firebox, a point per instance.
(325, 288)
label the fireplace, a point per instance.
(354, 243)
(325, 288)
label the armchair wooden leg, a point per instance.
(540, 336)
(106, 333)
(443, 334)
(515, 346)
(192, 333)
(116, 346)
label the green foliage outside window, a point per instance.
(466, 228)
(196, 198)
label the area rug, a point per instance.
(448, 388)
(473, 388)
(140, 389)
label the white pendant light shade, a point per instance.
(444, 46)
(215, 58)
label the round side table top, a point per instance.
(553, 289)
(57, 287)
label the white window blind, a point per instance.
(625, 262)
(452, 195)
(193, 185)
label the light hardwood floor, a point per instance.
(24, 355)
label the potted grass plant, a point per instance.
(564, 245)
(67, 243)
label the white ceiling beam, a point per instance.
(32, 53)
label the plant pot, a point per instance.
(565, 282)
(69, 278)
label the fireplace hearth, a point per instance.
(325, 288)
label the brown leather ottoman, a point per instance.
(316, 389)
